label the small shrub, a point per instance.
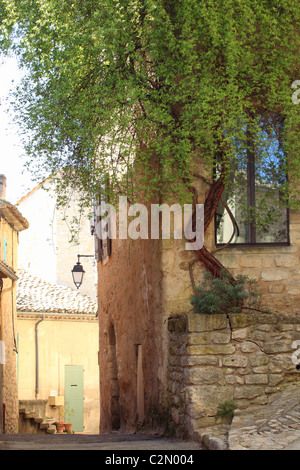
(221, 295)
(226, 409)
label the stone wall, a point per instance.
(241, 358)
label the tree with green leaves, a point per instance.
(141, 93)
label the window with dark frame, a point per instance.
(102, 247)
(238, 220)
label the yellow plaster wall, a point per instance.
(61, 342)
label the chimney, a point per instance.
(2, 186)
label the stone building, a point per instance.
(48, 250)
(11, 223)
(144, 284)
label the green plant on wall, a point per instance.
(223, 295)
(226, 409)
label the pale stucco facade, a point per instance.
(46, 250)
(64, 340)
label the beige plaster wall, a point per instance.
(61, 342)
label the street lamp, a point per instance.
(78, 271)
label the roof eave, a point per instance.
(13, 216)
(6, 271)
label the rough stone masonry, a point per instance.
(242, 358)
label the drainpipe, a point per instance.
(37, 385)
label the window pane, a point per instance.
(267, 222)
(276, 231)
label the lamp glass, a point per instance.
(77, 273)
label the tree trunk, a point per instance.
(210, 206)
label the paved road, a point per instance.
(269, 427)
(109, 442)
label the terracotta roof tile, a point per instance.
(36, 295)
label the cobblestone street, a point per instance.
(274, 426)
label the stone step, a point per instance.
(51, 429)
(44, 424)
(38, 420)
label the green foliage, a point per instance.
(141, 90)
(222, 295)
(226, 409)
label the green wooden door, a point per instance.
(74, 397)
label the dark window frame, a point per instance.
(251, 203)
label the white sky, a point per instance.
(11, 165)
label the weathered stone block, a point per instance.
(203, 400)
(250, 261)
(276, 288)
(265, 318)
(293, 291)
(235, 361)
(202, 360)
(228, 260)
(259, 360)
(273, 347)
(293, 320)
(206, 322)
(257, 379)
(274, 275)
(261, 335)
(211, 349)
(260, 370)
(249, 391)
(200, 338)
(241, 320)
(234, 379)
(249, 347)
(177, 324)
(240, 334)
(220, 338)
(281, 362)
(209, 337)
(286, 261)
(204, 375)
(264, 327)
(275, 379)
